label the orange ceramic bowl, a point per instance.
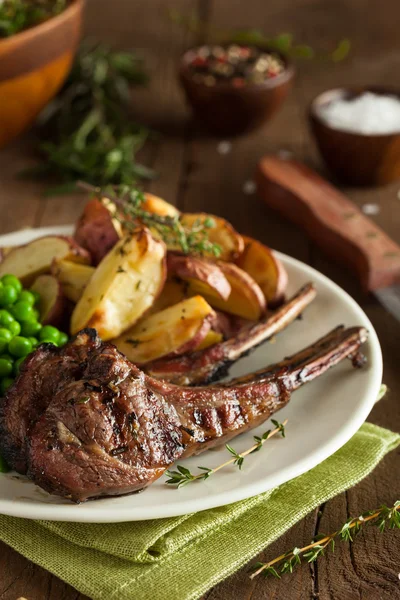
(33, 66)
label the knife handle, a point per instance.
(330, 219)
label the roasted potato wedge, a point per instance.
(228, 239)
(123, 286)
(211, 339)
(97, 230)
(246, 298)
(53, 305)
(201, 274)
(266, 269)
(158, 206)
(29, 261)
(174, 291)
(174, 330)
(72, 276)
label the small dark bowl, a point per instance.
(356, 158)
(227, 110)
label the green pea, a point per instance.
(20, 346)
(28, 297)
(6, 367)
(8, 295)
(5, 334)
(23, 311)
(17, 365)
(36, 295)
(15, 328)
(30, 328)
(63, 339)
(47, 341)
(5, 383)
(7, 356)
(50, 333)
(33, 341)
(13, 281)
(3, 345)
(5, 318)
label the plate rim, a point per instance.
(248, 490)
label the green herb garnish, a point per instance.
(183, 476)
(285, 563)
(189, 239)
(88, 131)
(83, 400)
(17, 15)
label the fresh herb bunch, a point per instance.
(189, 239)
(88, 131)
(17, 15)
(285, 563)
(283, 43)
(183, 476)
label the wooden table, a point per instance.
(194, 175)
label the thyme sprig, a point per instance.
(189, 239)
(88, 131)
(286, 562)
(183, 476)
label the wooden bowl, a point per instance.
(356, 158)
(33, 66)
(227, 110)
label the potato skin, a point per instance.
(35, 258)
(260, 262)
(96, 230)
(53, 305)
(123, 287)
(198, 271)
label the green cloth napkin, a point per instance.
(181, 558)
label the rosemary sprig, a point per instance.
(87, 131)
(189, 239)
(183, 476)
(283, 42)
(285, 563)
(17, 15)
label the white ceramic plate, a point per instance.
(322, 416)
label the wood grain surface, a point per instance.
(194, 175)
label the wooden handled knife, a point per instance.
(335, 224)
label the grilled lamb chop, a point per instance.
(109, 429)
(210, 364)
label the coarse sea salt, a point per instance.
(368, 113)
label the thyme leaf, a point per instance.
(183, 476)
(285, 563)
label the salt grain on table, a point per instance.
(224, 147)
(370, 209)
(249, 187)
(368, 114)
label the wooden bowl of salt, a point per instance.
(357, 131)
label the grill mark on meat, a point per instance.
(121, 445)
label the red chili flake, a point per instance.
(221, 59)
(238, 82)
(199, 61)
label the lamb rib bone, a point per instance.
(210, 364)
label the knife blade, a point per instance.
(335, 224)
